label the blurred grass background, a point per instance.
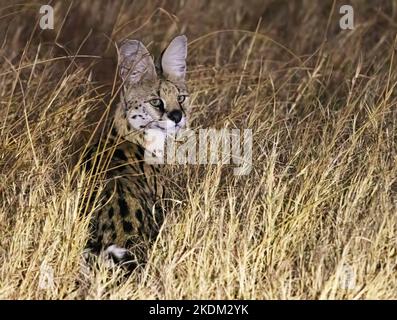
(319, 205)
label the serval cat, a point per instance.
(153, 104)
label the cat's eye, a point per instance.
(181, 98)
(156, 103)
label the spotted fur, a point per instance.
(154, 98)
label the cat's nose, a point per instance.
(175, 115)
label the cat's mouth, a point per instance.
(171, 130)
(159, 127)
(167, 127)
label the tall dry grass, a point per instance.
(319, 205)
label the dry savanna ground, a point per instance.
(314, 219)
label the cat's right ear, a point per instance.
(135, 62)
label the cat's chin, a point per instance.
(173, 130)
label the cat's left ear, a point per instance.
(173, 59)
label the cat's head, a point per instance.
(154, 96)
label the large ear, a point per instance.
(173, 60)
(136, 64)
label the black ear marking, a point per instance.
(125, 102)
(158, 66)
